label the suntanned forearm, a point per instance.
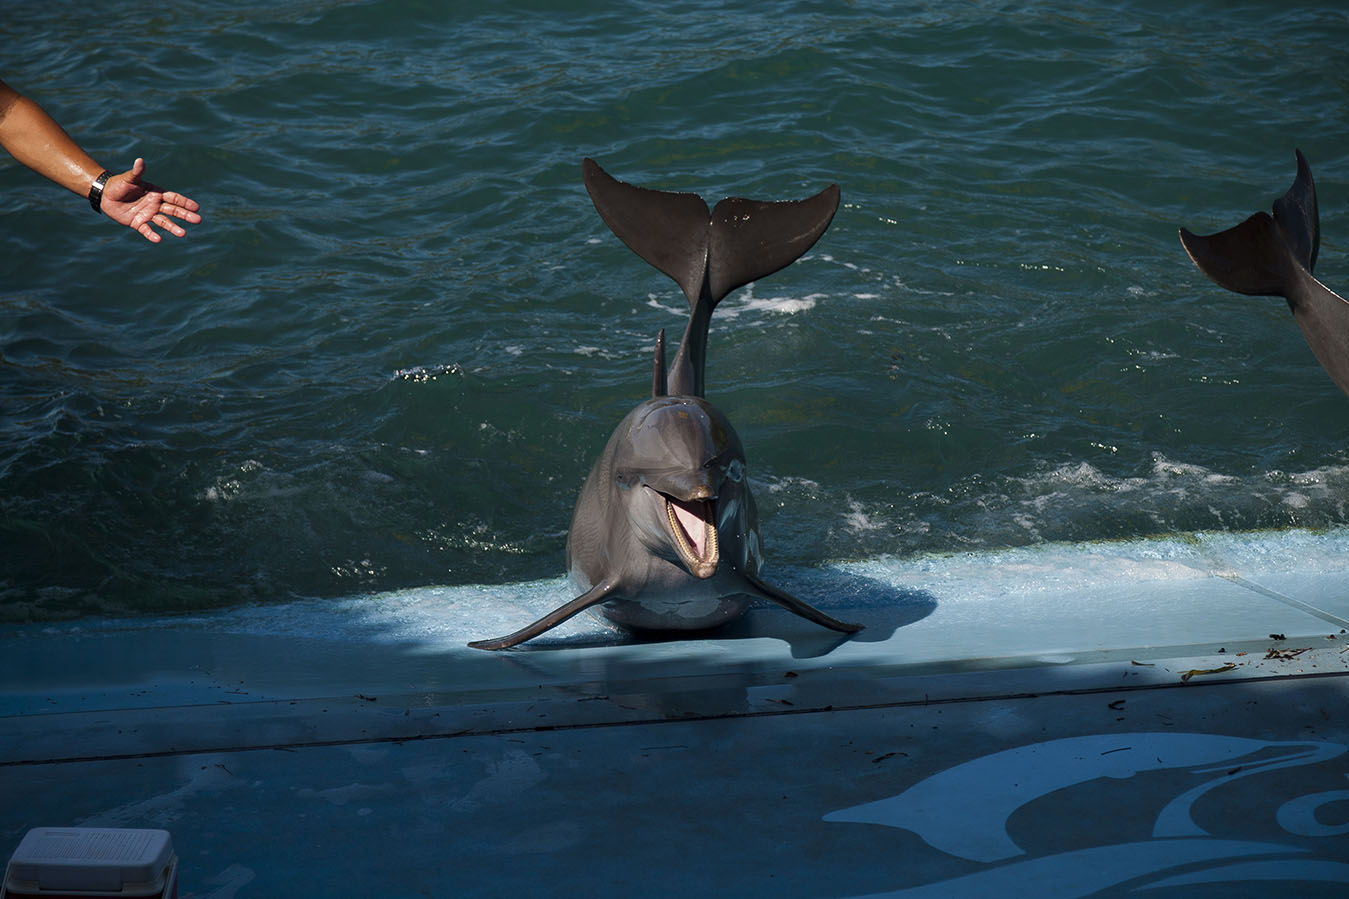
(36, 140)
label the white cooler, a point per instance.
(60, 862)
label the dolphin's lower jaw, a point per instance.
(693, 530)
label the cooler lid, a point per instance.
(121, 860)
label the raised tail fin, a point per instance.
(1295, 212)
(707, 253)
(1274, 256)
(735, 243)
(1253, 258)
(668, 230)
(1256, 256)
(751, 239)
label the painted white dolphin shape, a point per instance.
(963, 811)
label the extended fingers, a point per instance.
(177, 210)
(185, 203)
(145, 226)
(161, 221)
(148, 233)
(170, 225)
(144, 206)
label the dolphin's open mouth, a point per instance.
(693, 523)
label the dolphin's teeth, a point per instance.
(695, 529)
(695, 532)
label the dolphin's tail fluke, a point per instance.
(667, 229)
(707, 253)
(1260, 256)
(1274, 256)
(737, 242)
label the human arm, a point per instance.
(35, 139)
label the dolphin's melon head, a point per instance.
(679, 454)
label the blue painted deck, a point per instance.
(1060, 720)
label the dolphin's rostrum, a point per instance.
(1274, 256)
(665, 535)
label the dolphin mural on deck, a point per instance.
(1274, 256)
(665, 535)
(993, 788)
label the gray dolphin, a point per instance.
(665, 535)
(1274, 256)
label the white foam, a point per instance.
(748, 303)
(436, 619)
(857, 521)
(778, 485)
(654, 302)
(424, 373)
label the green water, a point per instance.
(389, 355)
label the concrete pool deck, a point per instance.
(1164, 717)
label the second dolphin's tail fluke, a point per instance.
(1253, 258)
(1274, 255)
(1297, 217)
(1259, 256)
(708, 253)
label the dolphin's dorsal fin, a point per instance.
(707, 253)
(658, 383)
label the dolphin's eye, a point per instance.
(735, 471)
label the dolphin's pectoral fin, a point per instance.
(592, 597)
(751, 239)
(804, 609)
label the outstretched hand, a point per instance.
(139, 205)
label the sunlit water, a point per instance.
(391, 352)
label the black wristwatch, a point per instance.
(96, 192)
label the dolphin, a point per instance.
(665, 534)
(1274, 256)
